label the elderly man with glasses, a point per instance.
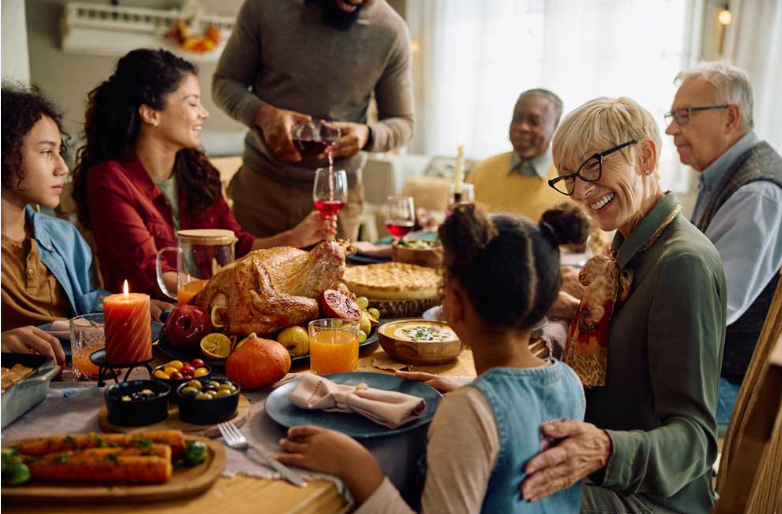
(739, 204)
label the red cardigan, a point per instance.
(131, 220)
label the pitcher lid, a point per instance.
(207, 236)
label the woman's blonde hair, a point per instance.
(599, 125)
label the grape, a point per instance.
(362, 302)
(374, 313)
(362, 336)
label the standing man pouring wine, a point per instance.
(292, 60)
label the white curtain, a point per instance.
(753, 42)
(473, 58)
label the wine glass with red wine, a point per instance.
(400, 216)
(314, 137)
(330, 191)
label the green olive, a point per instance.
(222, 393)
(195, 383)
(214, 383)
(227, 387)
(205, 396)
(188, 391)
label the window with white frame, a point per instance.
(473, 58)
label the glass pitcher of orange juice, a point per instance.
(333, 345)
(200, 254)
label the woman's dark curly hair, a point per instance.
(113, 122)
(508, 265)
(23, 107)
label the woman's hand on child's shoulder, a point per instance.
(332, 452)
(441, 384)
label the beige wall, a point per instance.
(14, 47)
(68, 77)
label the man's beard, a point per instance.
(334, 16)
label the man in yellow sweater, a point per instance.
(517, 181)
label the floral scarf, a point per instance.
(606, 286)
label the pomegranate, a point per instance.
(337, 305)
(258, 363)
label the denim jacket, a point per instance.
(68, 256)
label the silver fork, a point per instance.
(236, 440)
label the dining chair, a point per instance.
(750, 472)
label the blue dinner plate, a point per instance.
(66, 341)
(281, 410)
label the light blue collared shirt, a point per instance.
(746, 230)
(535, 167)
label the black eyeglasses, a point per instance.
(682, 115)
(590, 171)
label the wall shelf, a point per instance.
(107, 30)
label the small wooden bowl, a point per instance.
(429, 257)
(428, 353)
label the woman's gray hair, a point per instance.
(731, 83)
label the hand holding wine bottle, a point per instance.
(277, 126)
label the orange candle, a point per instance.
(128, 327)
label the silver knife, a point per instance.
(281, 468)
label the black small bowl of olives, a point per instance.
(208, 401)
(137, 402)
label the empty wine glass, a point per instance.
(400, 216)
(330, 191)
(315, 137)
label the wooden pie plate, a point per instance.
(173, 422)
(404, 308)
(184, 483)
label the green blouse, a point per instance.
(664, 358)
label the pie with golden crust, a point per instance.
(393, 281)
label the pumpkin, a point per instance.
(258, 363)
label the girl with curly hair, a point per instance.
(46, 264)
(141, 175)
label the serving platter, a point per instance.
(184, 483)
(173, 421)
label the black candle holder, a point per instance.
(112, 371)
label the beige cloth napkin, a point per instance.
(387, 408)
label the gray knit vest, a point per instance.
(761, 162)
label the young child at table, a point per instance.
(46, 264)
(501, 275)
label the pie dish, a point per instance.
(393, 281)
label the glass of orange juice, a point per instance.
(188, 290)
(87, 336)
(333, 345)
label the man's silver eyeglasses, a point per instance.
(683, 114)
(590, 171)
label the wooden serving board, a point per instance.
(173, 422)
(184, 483)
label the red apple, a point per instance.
(187, 325)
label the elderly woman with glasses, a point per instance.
(649, 437)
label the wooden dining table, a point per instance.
(243, 494)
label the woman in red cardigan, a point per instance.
(141, 175)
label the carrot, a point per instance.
(58, 444)
(108, 468)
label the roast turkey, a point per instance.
(268, 290)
